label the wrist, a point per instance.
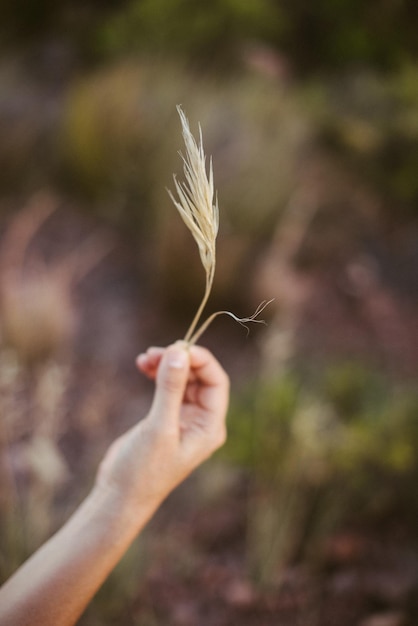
(116, 513)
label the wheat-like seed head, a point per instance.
(196, 204)
(200, 213)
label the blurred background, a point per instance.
(310, 110)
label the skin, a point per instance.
(185, 425)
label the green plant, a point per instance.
(321, 454)
(206, 32)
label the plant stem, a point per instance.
(209, 281)
(192, 339)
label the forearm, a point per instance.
(55, 585)
(186, 424)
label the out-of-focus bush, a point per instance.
(196, 31)
(41, 413)
(102, 131)
(373, 123)
(32, 466)
(28, 27)
(27, 146)
(315, 37)
(322, 454)
(329, 35)
(37, 310)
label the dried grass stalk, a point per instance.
(198, 208)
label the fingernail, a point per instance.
(177, 358)
(141, 359)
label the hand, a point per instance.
(185, 425)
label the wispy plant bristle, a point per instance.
(198, 208)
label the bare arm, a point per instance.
(185, 425)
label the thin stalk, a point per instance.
(209, 282)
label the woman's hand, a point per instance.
(185, 425)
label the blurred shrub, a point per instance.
(37, 309)
(23, 19)
(29, 26)
(32, 466)
(322, 455)
(373, 123)
(347, 33)
(197, 31)
(315, 37)
(27, 130)
(42, 411)
(101, 135)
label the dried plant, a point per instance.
(37, 312)
(199, 210)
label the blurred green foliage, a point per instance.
(325, 35)
(373, 123)
(340, 33)
(321, 454)
(28, 25)
(102, 129)
(190, 28)
(349, 418)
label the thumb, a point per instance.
(171, 380)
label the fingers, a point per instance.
(208, 384)
(171, 380)
(206, 368)
(210, 388)
(149, 361)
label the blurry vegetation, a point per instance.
(75, 23)
(39, 414)
(330, 35)
(323, 36)
(102, 133)
(33, 468)
(373, 123)
(334, 450)
(208, 32)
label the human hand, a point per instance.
(185, 425)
